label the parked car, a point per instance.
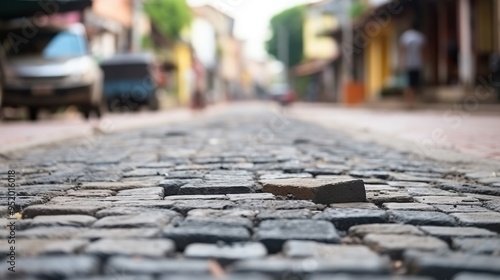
(282, 93)
(131, 81)
(49, 68)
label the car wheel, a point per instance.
(33, 113)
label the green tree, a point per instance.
(169, 16)
(292, 21)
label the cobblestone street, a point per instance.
(245, 194)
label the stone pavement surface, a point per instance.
(186, 201)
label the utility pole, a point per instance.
(136, 25)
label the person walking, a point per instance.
(412, 44)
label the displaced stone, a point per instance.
(408, 206)
(185, 235)
(273, 233)
(486, 246)
(343, 219)
(226, 252)
(446, 264)
(422, 218)
(151, 248)
(391, 229)
(394, 244)
(488, 220)
(319, 191)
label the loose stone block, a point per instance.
(273, 233)
(392, 229)
(226, 252)
(447, 233)
(422, 218)
(395, 244)
(488, 220)
(445, 265)
(144, 266)
(151, 248)
(408, 206)
(185, 235)
(319, 191)
(487, 246)
(343, 219)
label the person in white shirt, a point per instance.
(412, 44)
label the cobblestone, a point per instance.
(190, 201)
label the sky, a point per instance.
(252, 19)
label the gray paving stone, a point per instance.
(283, 176)
(475, 276)
(119, 211)
(217, 187)
(132, 198)
(493, 205)
(49, 232)
(184, 206)
(319, 191)
(381, 197)
(311, 249)
(152, 191)
(197, 197)
(210, 213)
(98, 233)
(273, 233)
(453, 200)
(406, 184)
(226, 252)
(430, 192)
(63, 221)
(252, 196)
(422, 218)
(343, 219)
(114, 186)
(448, 208)
(115, 277)
(35, 247)
(53, 267)
(391, 229)
(379, 187)
(142, 266)
(488, 246)
(185, 235)
(24, 201)
(284, 214)
(144, 172)
(351, 277)
(151, 248)
(488, 220)
(469, 188)
(356, 205)
(446, 265)
(91, 193)
(408, 206)
(395, 244)
(38, 210)
(172, 186)
(447, 233)
(185, 174)
(134, 221)
(223, 221)
(276, 204)
(299, 269)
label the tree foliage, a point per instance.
(169, 16)
(292, 20)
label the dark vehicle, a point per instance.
(52, 68)
(131, 81)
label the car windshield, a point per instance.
(48, 44)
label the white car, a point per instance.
(49, 68)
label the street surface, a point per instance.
(183, 199)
